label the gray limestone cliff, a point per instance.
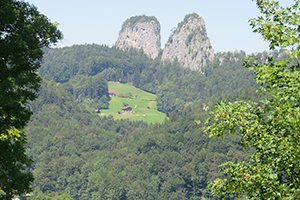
(142, 32)
(189, 44)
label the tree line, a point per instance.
(85, 156)
(175, 87)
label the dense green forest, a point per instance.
(175, 87)
(79, 153)
(59, 140)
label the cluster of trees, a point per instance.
(23, 31)
(92, 89)
(81, 66)
(80, 154)
(62, 137)
(271, 127)
(83, 156)
(63, 64)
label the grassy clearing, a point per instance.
(143, 106)
(130, 91)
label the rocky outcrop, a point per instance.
(142, 32)
(189, 44)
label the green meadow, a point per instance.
(143, 104)
(129, 90)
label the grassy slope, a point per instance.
(139, 104)
(123, 89)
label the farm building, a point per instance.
(112, 93)
(126, 109)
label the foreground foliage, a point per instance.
(273, 171)
(23, 31)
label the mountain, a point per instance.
(142, 32)
(189, 43)
(91, 156)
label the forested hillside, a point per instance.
(63, 64)
(64, 139)
(175, 87)
(78, 153)
(134, 122)
(90, 157)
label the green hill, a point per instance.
(143, 104)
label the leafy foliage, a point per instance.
(23, 31)
(65, 63)
(63, 135)
(50, 196)
(93, 89)
(87, 157)
(224, 76)
(175, 87)
(272, 172)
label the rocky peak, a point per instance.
(189, 43)
(142, 32)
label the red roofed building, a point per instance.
(112, 93)
(126, 109)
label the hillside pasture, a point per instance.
(143, 106)
(130, 91)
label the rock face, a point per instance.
(142, 32)
(189, 44)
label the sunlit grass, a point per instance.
(143, 106)
(124, 89)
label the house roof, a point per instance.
(111, 91)
(126, 107)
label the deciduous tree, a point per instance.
(273, 171)
(23, 32)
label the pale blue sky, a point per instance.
(99, 21)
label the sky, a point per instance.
(99, 21)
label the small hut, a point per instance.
(112, 93)
(126, 109)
